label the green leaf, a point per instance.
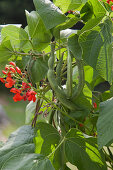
(69, 4)
(50, 14)
(85, 99)
(96, 46)
(91, 24)
(18, 37)
(28, 161)
(59, 158)
(98, 8)
(30, 110)
(74, 46)
(40, 37)
(18, 152)
(83, 152)
(39, 69)
(49, 136)
(86, 12)
(19, 142)
(6, 50)
(105, 123)
(67, 24)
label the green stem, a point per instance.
(36, 54)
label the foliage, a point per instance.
(60, 71)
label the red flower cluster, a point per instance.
(13, 77)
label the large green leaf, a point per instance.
(18, 152)
(74, 46)
(105, 123)
(67, 24)
(98, 8)
(6, 50)
(40, 37)
(69, 4)
(19, 142)
(18, 37)
(49, 137)
(96, 46)
(86, 12)
(38, 69)
(28, 161)
(83, 152)
(91, 24)
(85, 99)
(50, 14)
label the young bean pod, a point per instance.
(57, 89)
(80, 86)
(58, 71)
(69, 75)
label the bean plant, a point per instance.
(61, 63)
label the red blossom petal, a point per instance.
(12, 69)
(2, 80)
(9, 74)
(4, 72)
(17, 97)
(8, 85)
(25, 86)
(12, 63)
(10, 80)
(14, 90)
(6, 68)
(34, 98)
(18, 70)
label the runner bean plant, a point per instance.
(61, 63)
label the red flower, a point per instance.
(12, 63)
(14, 90)
(9, 74)
(6, 68)
(10, 82)
(31, 95)
(18, 70)
(25, 86)
(12, 69)
(94, 105)
(8, 85)
(2, 80)
(17, 97)
(4, 72)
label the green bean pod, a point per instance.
(58, 71)
(80, 86)
(69, 75)
(57, 89)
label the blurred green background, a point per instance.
(13, 12)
